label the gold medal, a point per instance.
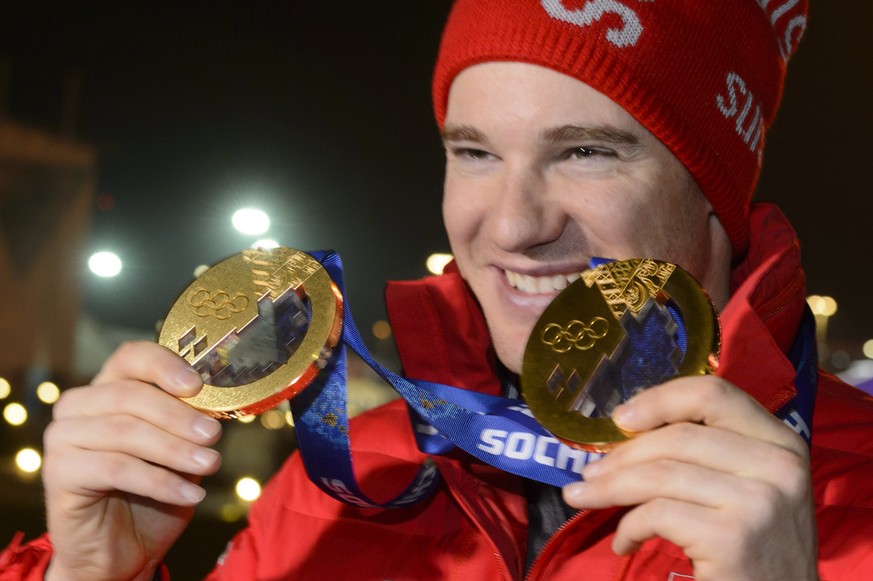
(258, 327)
(610, 335)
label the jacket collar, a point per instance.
(441, 333)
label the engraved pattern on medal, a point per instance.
(279, 269)
(219, 303)
(628, 284)
(575, 335)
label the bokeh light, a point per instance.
(15, 414)
(28, 460)
(273, 419)
(822, 305)
(105, 264)
(5, 388)
(381, 330)
(437, 262)
(868, 349)
(48, 392)
(251, 221)
(248, 489)
(231, 512)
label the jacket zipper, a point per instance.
(551, 543)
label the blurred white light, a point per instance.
(200, 270)
(28, 460)
(868, 349)
(246, 419)
(822, 305)
(437, 262)
(105, 264)
(15, 414)
(273, 419)
(266, 244)
(251, 221)
(5, 388)
(48, 392)
(248, 489)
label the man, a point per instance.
(572, 130)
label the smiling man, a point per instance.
(573, 130)
(543, 174)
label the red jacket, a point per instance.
(475, 526)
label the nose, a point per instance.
(525, 216)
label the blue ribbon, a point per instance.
(499, 431)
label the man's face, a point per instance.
(543, 173)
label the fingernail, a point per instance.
(205, 457)
(188, 378)
(206, 427)
(624, 413)
(575, 490)
(192, 493)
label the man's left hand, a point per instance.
(713, 472)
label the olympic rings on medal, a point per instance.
(218, 303)
(576, 335)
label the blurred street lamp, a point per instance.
(823, 307)
(105, 264)
(251, 221)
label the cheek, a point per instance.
(463, 212)
(454, 216)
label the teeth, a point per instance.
(539, 284)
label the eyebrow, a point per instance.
(452, 133)
(556, 135)
(602, 133)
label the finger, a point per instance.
(94, 474)
(151, 363)
(140, 400)
(708, 447)
(134, 437)
(686, 525)
(708, 400)
(640, 483)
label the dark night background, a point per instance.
(319, 113)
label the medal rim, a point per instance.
(701, 357)
(293, 376)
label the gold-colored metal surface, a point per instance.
(258, 327)
(578, 347)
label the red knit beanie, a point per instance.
(704, 76)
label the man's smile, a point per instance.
(539, 284)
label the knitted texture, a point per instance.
(705, 77)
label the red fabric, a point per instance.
(25, 562)
(475, 526)
(705, 78)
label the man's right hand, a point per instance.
(123, 457)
